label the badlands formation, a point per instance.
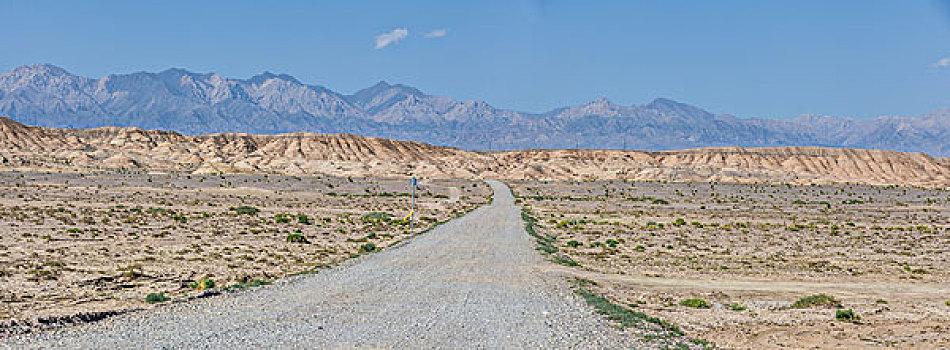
(25, 147)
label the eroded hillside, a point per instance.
(28, 147)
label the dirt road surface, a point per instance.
(475, 282)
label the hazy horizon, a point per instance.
(427, 92)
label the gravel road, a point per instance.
(475, 282)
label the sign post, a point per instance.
(412, 206)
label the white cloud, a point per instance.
(943, 63)
(438, 33)
(390, 38)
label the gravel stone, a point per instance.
(475, 282)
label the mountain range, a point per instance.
(204, 103)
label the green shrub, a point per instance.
(376, 216)
(546, 247)
(846, 315)
(626, 317)
(282, 218)
(155, 210)
(202, 284)
(246, 285)
(737, 307)
(660, 201)
(245, 210)
(679, 222)
(258, 282)
(153, 298)
(297, 238)
(544, 243)
(612, 242)
(947, 302)
(368, 247)
(817, 300)
(574, 244)
(303, 219)
(695, 303)
(564, 260)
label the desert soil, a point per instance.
(750, 251)
(80, 244)
(475, 282)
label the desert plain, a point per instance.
(759, 265)
(795, 247)
(96, 244)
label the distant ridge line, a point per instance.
(25, 147)
(206, 103)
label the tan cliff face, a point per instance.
(28, 147)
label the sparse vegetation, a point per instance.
(695, 303)
(297, 238)
(245, 210)
(114, 238)
(376, 217)
(368, 248)
(303, 219)
(154, 298)
(626, 318)
(755, 233)
(251, 284)
(202, 284)
(282, 218)
(817, 300)
(564, 260)
(846, 315)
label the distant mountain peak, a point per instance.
(666, 106)
(599, 107)
(383, 95)
(601, 101)
(267, 75)
(664, 102)
(382, 84)
(176, 71)
(42, 69)
(200, 103)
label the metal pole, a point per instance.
(412, 207)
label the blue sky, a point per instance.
(775, 59)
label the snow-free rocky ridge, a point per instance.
(204, 103)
